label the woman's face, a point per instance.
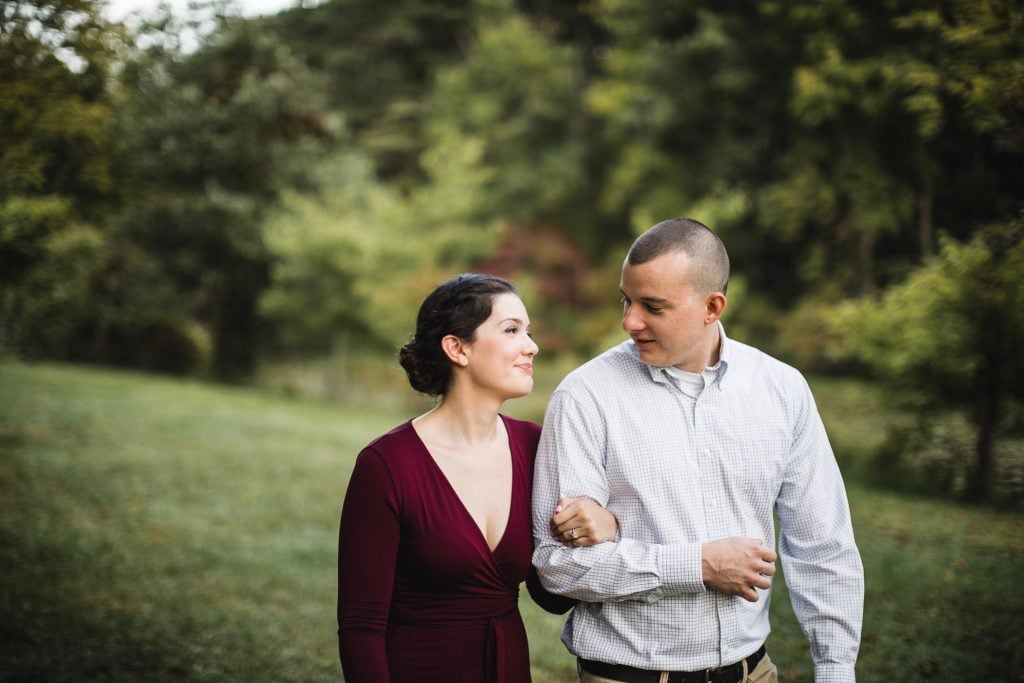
(500, 359)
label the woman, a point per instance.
(435, 528)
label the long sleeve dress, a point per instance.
(421, 596)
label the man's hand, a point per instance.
(737, 566)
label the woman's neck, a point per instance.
(462, 420)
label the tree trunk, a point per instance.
(6, 299)
(925, 225)
(980, 484)
(988, 406)
(866, 259)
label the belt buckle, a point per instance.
(710, 675)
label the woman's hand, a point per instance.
(581, 522)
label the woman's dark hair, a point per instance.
(457, 306)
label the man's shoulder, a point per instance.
(617, 364)
(758, 365)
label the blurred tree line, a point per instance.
(198, 194)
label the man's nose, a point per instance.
(632, 322)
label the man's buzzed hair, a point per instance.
(709, 258)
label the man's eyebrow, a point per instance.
(650, 299)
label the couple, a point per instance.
(654, 482)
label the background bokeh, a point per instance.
(230, 217)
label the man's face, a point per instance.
(666, 318)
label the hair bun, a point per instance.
(456, 307)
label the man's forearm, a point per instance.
(620, 571)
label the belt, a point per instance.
(732, 673)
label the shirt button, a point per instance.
(707, 454)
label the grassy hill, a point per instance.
(168, 530)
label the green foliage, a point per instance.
(826, 143)
(55, 132)
(102, 302)
(354, 261)
(934, 325)
(952, 332)
(378, 61)
(208, 141)
(25, 224)
(516, 94)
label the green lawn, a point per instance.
(158, 529)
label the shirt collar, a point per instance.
(719, 370)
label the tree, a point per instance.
(952, 332)
(378, 60)
(829, 142)
(353, 259)
(207, 142)
(517, 96)
(55, 131)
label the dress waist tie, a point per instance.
(496, 647)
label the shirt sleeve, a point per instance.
(570, 462)
(822, 564)
(549, 602)
(367, 553)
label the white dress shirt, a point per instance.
(678, 468)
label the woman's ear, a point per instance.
(714, 307)
(455, 349)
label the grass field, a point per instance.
(167, 530)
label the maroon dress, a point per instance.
(421, 596)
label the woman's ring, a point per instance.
(573, 532)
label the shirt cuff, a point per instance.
(680, 569)
(834, 673)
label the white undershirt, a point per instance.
(690, 383)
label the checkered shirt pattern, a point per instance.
(677, 472)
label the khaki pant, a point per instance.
(764, 672)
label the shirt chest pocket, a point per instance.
(746, 455)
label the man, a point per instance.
(693, 440)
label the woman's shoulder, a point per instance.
(389, 460)
(395, 443)
(522, 430)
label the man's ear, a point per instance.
(455, 349)
(714, 307)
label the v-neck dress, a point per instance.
(421, 596)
